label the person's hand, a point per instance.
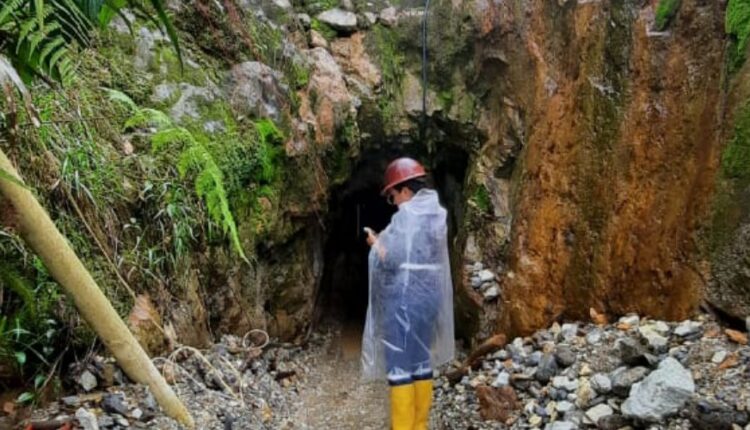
(371, 236)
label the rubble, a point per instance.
(633, 373)
(553, 380)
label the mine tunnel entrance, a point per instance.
(343, 292)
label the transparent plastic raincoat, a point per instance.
(409, 327)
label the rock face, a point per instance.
(255, 88)
(584, 232)
(577, 152)
(663, 393)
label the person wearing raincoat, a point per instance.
(409, 327)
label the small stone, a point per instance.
(547, 368)
(535, 420)
(598, 318)
(149, 402)
(731, 361)
(569, 331)
(389, 17)
(736, 336)
(719, 357)
(534, 358)
(122, 421)
(86, 419)
(623, 378)
(339, 19)
(317, 40)
(707, 414)
(631, 320)
(136, 414)
(655, 340)
(598, 412)
(502, 380)
(478, 380)
(521, 381)
(496, 403)
(631, 352)
(747, 323)
(565, 356)
(491, 293)
(562, 382)
(87, 380)
(500, 355)
(486, 276)
(613, 422)
(555, 329)
(564, 406)
(371, 19)
(585, 370)
(105, 421)
(478, 266)
(601, 383)
(561, 425)
(304, 19)
(114, 403)
(585, 393)
(594, 336)
(686, 328)
(661, 327)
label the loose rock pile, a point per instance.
(227, 387)
(637, 373)
(483, 280)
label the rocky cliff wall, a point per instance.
(582, 153)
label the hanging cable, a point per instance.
(423, 121)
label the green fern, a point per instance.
(268, 135)
(148, 118)
(194, 159)
(42, 37)
(122, 98)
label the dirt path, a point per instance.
(333, 397)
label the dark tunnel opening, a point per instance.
(343, 292)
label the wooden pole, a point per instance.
(40, 233)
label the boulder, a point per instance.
(661, 394)
(339, 19)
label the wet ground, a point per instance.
(334, 396)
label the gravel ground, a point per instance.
(634, 373)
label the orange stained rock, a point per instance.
(736, 336)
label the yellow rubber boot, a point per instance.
(402, 407)
(422, 403)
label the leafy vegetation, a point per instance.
(29, 333)
(481, 199)
(665, 11)
(737, 25)
(195, 159)
(41, 37)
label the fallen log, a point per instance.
(489, 346)
(37, 229)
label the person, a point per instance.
(409, 326)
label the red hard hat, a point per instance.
(401, 170)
